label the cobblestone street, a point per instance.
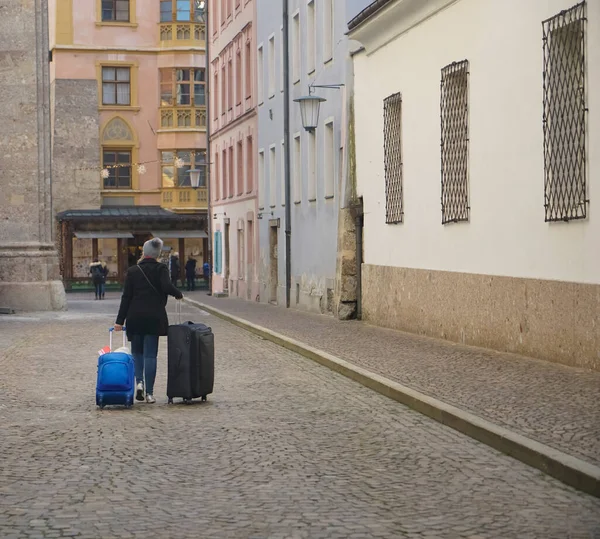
(550, 403)
(284, 448)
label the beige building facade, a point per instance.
(509, 259)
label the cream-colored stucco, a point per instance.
(506, 235)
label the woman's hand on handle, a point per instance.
(118, 327)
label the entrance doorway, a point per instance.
(227, 244)
(273, 281)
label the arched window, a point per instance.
(119, 152)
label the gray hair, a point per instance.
(152, 248)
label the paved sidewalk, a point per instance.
(552, 404)
(283, 449)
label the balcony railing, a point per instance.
(172, 32)
(183, 118)
(184, 198)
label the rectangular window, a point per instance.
(215, 179)
(116, 86)
(223, 11)
(327, 30)
(238, 78)
(118, 163)
(115, 10)
(271, 60)
(166, 10)
(249, 165)
(312, 166)
(261, 180)
(310, 37)
(272, 176)
(173, 176)
(230, 85)
(564, 119)
(297, 170)
(296, 48)
(176, 87)
(455, 142)
(240, 168)
(282, 180)
(216, 97)
(392, 158)
(223, 90)
(231, 173)
(281, 58)
(224, 177)
(329, 161)
(248, 70)
(261, 74)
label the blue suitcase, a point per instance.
(115, 384)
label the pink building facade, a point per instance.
(233, 131)
(129, 88)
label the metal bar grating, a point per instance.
(454, 104)
(392, 156)
(564, 122)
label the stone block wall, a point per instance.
(75, 145)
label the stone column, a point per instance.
(29, 265)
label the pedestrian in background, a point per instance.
(190, 273)
(143, 311)
(175, 269)
(99, 272)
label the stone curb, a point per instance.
(566, 468)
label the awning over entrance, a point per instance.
(83, 235)
(179, 234)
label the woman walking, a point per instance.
(143, 311)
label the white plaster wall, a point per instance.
(506, 235)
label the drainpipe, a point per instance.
(359, 220)
(286, 139)
(207, 82)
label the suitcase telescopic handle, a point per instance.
(178, 309)
(111, 331)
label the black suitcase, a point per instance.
(191, 361)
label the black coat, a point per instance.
(190, 269)
(143, 309)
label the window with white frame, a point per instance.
(271, 60)
(296, 48)
(272, 176)
(261, 179)
(282, 183)
(327, 30)
(281, 58)
(312, 166)
(261, 75)
(329, 161)
(310, 37)
(297, 169)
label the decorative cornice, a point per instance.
(392, 19)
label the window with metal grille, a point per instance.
(455, 142)
(392, 157)
(564, 115)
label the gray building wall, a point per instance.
(75, 145)
(314, 222)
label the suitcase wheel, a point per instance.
(187, 401)
(203, 398)
(170, 401)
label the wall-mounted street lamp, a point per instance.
(194, 177)
(311, 104)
